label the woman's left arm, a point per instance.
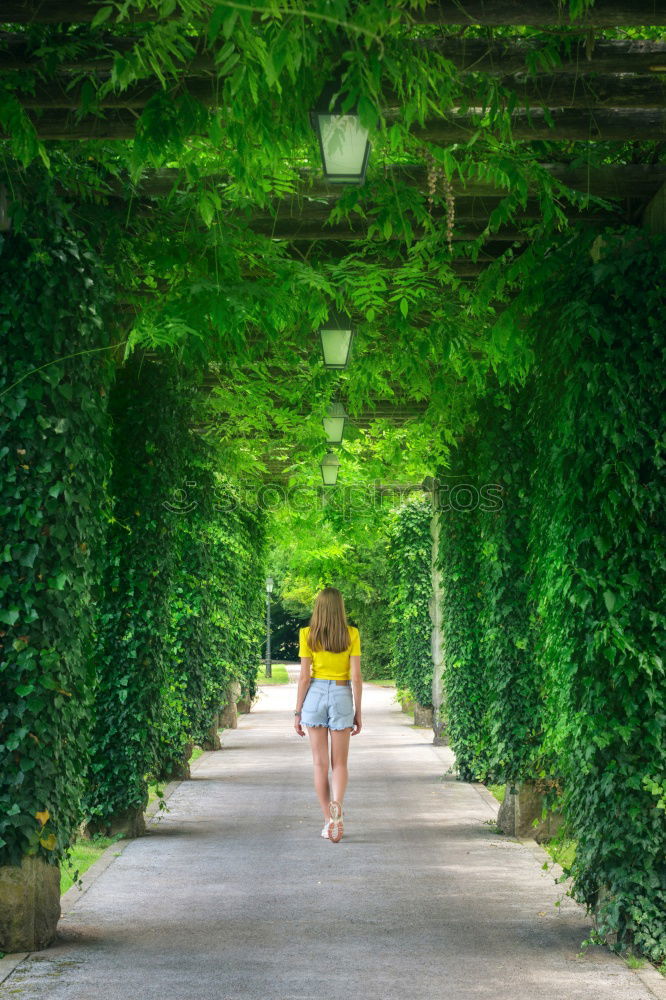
(303, 685)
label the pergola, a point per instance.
(606, 90)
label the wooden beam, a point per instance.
(542, 13)
(498, 57)
(354, 231)
(94, 54)
(564, 91)
(66, 11)
(331, 253)
(501, 56)
(468, 211)
(589, 126)
(536, 13)
(605, 124)
(586, 92)
(625, 181)
(58, 93)
(654, 216)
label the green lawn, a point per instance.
(562, 852)
(498, 791)
(155, 791)
(279, 674)
(84, 854)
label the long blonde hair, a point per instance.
(328, 625)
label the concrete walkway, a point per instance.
(234, 896)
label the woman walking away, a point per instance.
(330, 652)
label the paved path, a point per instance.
(234, 894)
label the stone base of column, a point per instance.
(212, 741)
(29, 905)
(406, 704)
(245, 705)
(520, 809)
(130, 822)
(422, 715)
(229, 714)
(180, 770)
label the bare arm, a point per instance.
(303, 685)
(357, 688)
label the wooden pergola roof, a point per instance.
(601, 90)
(605, 90)
(494, 13)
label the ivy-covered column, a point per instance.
(436, 634)
(53, 472)
(599, 560)
(139, 725)
(237, 536)
(465, 680)
(410, 568)
(507, 617)
(217, 607)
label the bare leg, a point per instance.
(339, 755)
(319, 744)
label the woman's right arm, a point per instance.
(357, 688)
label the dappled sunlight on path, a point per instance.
(233, 894)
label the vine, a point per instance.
(139, 708)
(410, 589)
(507, 616)
(54, 463)
(599, 558)
(466, 691)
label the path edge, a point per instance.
(650, 976)
(69, 899)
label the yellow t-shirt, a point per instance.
(330, 666)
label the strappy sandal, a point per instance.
(335, 826)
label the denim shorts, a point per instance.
(328, 703)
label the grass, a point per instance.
(155, 791)
(84, 853)
(404, 698)
(499, 791)
(279, 674)
(562, 851)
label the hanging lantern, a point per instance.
(343, 142)
(336, 336)
(329, 468)
(334, 423)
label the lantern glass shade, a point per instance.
(334, 423)
(336, 335)
(344, 146)
(269, 584)
(329, 469)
